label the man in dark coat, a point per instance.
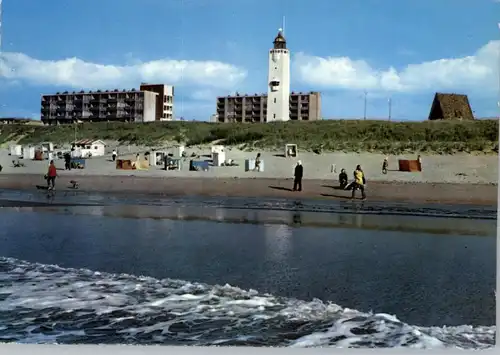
(67, 161)
(299, 173)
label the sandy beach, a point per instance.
(453, 179)
(323, 189)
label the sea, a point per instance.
(80, 268)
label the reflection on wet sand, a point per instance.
(407, 223)
(220, 214)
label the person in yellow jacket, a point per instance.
(359, 182)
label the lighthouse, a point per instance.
(278, 90)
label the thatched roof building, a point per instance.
(450, 107)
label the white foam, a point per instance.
(79, 305)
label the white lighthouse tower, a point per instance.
(278, 91)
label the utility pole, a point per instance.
(364, 114)
(390, 107)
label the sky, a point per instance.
(402, 50)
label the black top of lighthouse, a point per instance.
(280, 41)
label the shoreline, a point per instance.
(412, 192)
(466, 226)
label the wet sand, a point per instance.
(449, 193)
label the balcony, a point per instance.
(97, 100)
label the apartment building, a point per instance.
(164, 100)
(153, 102)
(253, 108)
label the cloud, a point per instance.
(79, 74)
(478, 71)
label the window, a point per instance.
(165, 98)
(274, 115)
(164, 107)
(274, 100)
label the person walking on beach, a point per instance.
(113, 155)
(67, 161)
(51, 176)
(359, 182)
(299, 173)
(385, 165)
(257, 163)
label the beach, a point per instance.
(452, 179)
(265, 188)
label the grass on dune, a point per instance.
(441, 137)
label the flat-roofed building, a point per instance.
(99, 106)
(253, 108)
(164, 100)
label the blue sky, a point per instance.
(406, 50)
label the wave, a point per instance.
(50, 304)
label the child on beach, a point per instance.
(257, 163)
(51, 176)
(385, 165)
